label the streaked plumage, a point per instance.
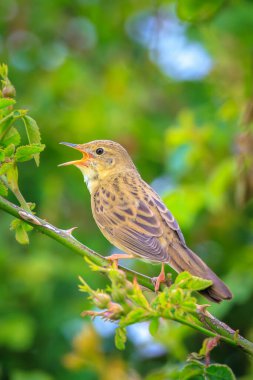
(132, 216)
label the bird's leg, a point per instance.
(160, 279)
(116, 256)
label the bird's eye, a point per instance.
(99, 151)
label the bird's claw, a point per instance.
(113, 259)
(157, 281)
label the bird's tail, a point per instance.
(184, 259)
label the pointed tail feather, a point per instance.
(183, 259)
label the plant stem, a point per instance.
(64, 237)
(21, 200)
(210, 325)
(207, 332)
(17, 194)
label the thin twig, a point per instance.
(16, 192)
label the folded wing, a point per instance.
(134, 219)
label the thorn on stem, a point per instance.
(70, 230)
(202, 309)
(236, 335)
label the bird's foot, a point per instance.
(116, 256)
(160, 279)
(157, 281)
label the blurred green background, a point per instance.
(172, 81)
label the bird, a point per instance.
(133, 217)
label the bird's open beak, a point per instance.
(78, 147)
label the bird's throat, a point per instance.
(91, 180)
(92, 183)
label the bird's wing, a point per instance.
(133, 218)
(166, 214)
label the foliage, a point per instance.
(86, 72)
(195, 370)
(125, 302)
(11, 152)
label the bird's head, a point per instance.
(101, 158)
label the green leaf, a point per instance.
(153, 326)
(176, 295)
(197, 10)
(27, 152)
(6, 123)
(9, 150)
(6, 102)
(189, 304)
(186, 281)
(21, 228)
(197, 283)
(183, 278)
(219, 372)
(194, 371)
(33, 134)
(3, 189)
(160, 302)
(134, 316)
(11, 137)
(120, 338)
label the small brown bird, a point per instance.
(134, 218)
